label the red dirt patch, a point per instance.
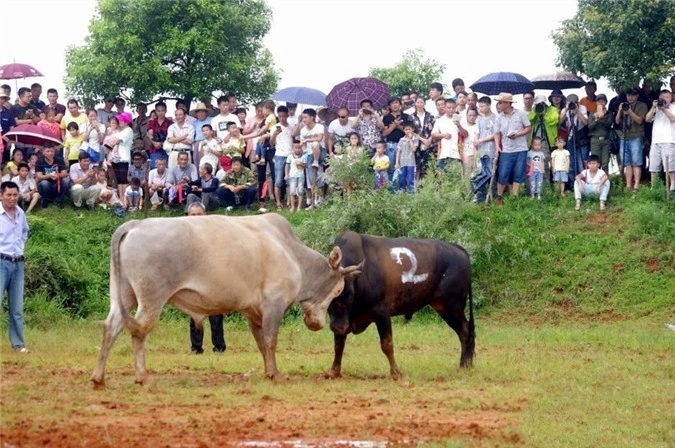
(652, 265)
(119, 418)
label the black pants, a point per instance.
(217, 335)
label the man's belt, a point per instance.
(599, 138)
(17, 259)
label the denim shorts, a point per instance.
(296, 185)
(560, 176)
(512, 165)
(633, 154)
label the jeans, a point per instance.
(217, 335)
(589, 190)
(392, 147)
(536, 180)
(11, 280)
(406, 180)
(310, 177)
(482, 181)
(229, 199)
(49, 191)
(261, 150)
(279, 171)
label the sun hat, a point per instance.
(572, 97)
(539, 99)
(200, 106)
(4, 93)
(505, 97)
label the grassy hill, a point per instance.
(537, 258)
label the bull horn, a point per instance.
(352, 269)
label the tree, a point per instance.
(414, 73)
(622, 40)
(185, 49)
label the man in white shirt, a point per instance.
(662, 151)
(179, 137)
(282, 141)
(219, 122)
(83, 183)
(446, 130)
(338, 132)
(311, 137)
(435, 92)
(159, 182)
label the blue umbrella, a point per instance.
(498, 82)
(301, 95)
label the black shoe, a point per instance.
(76, 208)
(60, 205)
(44, 203)
(88, 207)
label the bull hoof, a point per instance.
(333, 375)
(97, 384)
(396, 376)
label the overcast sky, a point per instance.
(319, 43)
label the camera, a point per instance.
(572, 105)
(540, 108)
(661, 102)
(625, 106)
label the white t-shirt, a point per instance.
(219, 124)
(430, 106)
(129, 192)
(24, 187)
(663, 130)
(284, 141)
(469, 149)
(449, 149)
(306, 133)
(592, 180)
(336, 129)
(93, 142)
(207, 149)
(127, 140)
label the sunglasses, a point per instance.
(342, 116)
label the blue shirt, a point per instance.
(198, 128)
(13, 233)
(6, 119)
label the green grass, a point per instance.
(574, 384)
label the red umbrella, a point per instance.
(14, 71)
(31, 135)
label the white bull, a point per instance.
(213, 265)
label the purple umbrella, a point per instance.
(496, 83)
(558, 81)
(350, 93)
(14, 71)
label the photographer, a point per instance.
(544, 119)
(662, 150)
(599, 126)
(630, 119)
(574, 118)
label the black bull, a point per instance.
(399, 277)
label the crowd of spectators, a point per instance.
(222, 156)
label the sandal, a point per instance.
(279, 208)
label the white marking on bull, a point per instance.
(410, 275)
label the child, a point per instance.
(73, 143)
(560, 164)
(107, 195)
(28, 193)
(380, 162)
(352, 152)
(210, 149)
(12, 167)
(32, 162)
(405, 158)
(295, 175)
(270, 121)
(592, 181)
(535, 164)
(49, 123)
(133, 196)
(233, 145)
(110, 136)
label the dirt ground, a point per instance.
(102, 418)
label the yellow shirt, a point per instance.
(81, 120)
(270, 122)
(72, 146)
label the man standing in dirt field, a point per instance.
(13, 235)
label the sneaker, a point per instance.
(315, 164)
(77, 209)
(603, 205)
(539, 197)
(499, 201)
(262, 210)
(60, 205)
(89, 207)
(578, 205)
(167, 207)
(21, 349)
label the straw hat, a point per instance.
(200, 106)
(4, 93)
(505, 97)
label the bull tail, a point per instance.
(118, 237)
(472, 328)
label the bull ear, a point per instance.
(352, 270)
(335, 257)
